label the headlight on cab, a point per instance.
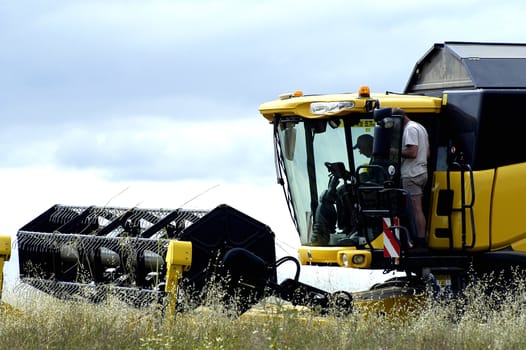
(360, 259)
(321, 108)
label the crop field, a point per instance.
(495, 320)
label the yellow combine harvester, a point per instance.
(350, 210)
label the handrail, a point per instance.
(463, 205)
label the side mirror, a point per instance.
(382, 113)
(371, 105)
(289, 138)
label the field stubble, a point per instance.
(479, 320)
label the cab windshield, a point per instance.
(308, 148)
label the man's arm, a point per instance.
(410, 151)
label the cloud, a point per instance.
(165, 90)
(110, 85)
(167, 150)
(151, 148)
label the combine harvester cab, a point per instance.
(339, 160)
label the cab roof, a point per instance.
(469, 65)
(301, 106)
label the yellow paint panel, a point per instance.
(483, 181)
(519, 246)
(329, 254)
(509, 207)
(5, 246)
(319, 254)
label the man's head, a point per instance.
(365, 144)
(400, 111)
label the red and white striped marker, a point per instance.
(391, 238)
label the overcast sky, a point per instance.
(153, 103)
